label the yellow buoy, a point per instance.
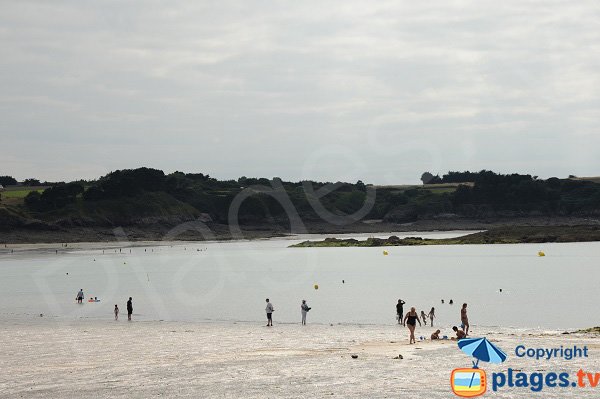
(541, 253)
(316, 286)
(385, 252)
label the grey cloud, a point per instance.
(264, 88)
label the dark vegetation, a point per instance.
(496, 195)
(7, 180)
(450, 177)
(146, 196)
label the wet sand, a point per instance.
(45, 357)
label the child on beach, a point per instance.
(424, 317)
(459, 333)
(269, 309)
(431, 315)
(435, 335)
(464, 319)
(116, 312)
(410, 321)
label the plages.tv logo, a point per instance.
(471, 382)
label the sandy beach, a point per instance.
(80, 352)
(46, 357)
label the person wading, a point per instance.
(400, 311)
(304, 308)
(129, 309)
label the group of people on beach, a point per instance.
(412, 317)
(80, 296)
(129, 309)
(269, 309)
(409, 319)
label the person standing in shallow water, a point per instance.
(304, 310)
(269, 309)
(129, 309)
(400, 311)
(410, 320)
(464, 319)
(116, 312)
(431, 315)
(79, 296)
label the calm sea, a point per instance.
(230, 281)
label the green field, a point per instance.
(20, 192)
(16, 195)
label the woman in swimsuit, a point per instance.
(410, 320)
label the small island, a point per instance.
(500, 235)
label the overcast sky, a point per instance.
(327, 90)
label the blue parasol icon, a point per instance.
(481, 349)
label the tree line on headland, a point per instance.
(127, 196)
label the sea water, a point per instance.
(504, 285)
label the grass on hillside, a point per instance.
(440, 188)
(21, 192)
(14, 196)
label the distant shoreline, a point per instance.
(497, 235)
(221, 232)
